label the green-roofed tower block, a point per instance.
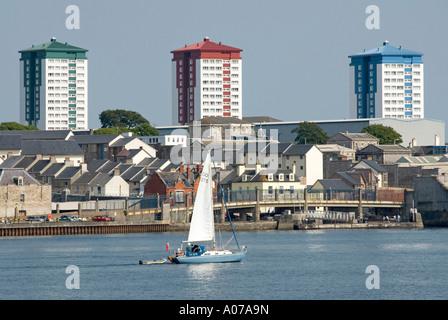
(54, 86)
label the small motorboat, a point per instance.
(159, 261)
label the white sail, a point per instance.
(202, 227)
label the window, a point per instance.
(179, 196)
(22, 197)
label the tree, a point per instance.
(121, 118)
(145, 129)
(386, 135)
(310, 133)
(114, 130)
(4, 126)
(119, 121)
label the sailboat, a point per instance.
(202, 228)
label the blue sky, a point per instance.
(295, 53)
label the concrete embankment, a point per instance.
(299, 222)
(282, 222)
(238, 226)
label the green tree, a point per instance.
(386, 135)
(119, 121)
(121, 118)
(310, 133)
(113, 130)
(145, 129)
(4, 126)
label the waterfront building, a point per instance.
(386, 82)
(207, 82)
(54, 86)
(22, 195)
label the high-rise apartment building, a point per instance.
(386, 82)
(207, 82)
(53, 86)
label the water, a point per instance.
(280, 265)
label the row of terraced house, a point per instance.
(39, 167)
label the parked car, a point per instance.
(35, 219)
(100, 218)
(78, 218)
(67, 218)
(110, 218)
(47, 218)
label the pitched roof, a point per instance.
(373, 165)
(51, 147)
(8, 142)
(11, 162)
(171, 178)
(39, 166)
(297, 149)
(387, 50)
(86, 177)
(7, 176)
(350, 178)
(95, 138)
(132, 172)
(55, 46)
(222, 120)
(335, 184)
(68, 173)
(53, 169)
(260, 119)
(421, 159)
(38, 134)
(357, 136)
(96, 164)
(209, 46)
(101, 179)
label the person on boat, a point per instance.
(196, 248)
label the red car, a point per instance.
(100, 218)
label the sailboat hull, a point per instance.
(210, 257)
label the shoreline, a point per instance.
(73, 228)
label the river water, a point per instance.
(280, 265)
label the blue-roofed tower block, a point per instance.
(386, 82)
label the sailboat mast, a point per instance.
(225, 204)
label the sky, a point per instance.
(295, 53)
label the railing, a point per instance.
(286, 195)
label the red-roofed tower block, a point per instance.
(207, 82)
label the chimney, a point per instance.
(240, 169)
(84, 168)
(257, 167)
(116, 171)
(68, 162)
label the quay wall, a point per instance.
(73, 228)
